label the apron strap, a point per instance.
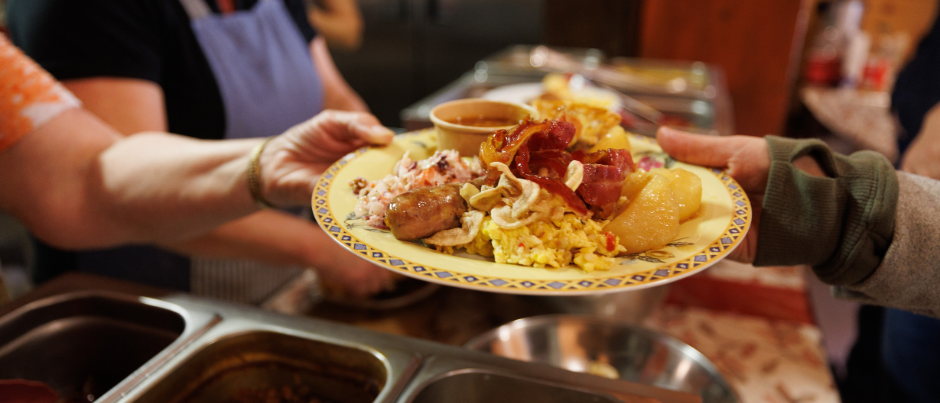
(195, 8)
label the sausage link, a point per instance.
(421, 213)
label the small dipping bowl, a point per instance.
(462, 125)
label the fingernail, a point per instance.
(664, 131)
(667, 129)
(380, 134)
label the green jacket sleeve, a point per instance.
(841, 224)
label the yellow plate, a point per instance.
(717, 229)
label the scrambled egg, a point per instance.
(529, 226)
(547, 243)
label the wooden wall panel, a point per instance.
(754, 41)
(608, 25)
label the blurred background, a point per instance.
(807, 68)
(768, 51)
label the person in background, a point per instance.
(77, 183)
(339, 21)
(909, 346)
(202, 68)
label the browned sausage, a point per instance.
(421, 213)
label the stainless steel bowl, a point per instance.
(608, 348)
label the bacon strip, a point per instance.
(604, 172)
(538, 153)
(554, 186)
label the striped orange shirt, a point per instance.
(29, 96)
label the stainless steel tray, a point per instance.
(221, 349)
(703, 99)
(94, 345)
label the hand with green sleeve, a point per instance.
(811, 206)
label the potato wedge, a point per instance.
(634, 183)
(687, 187)
(616, 138)
(651, 220)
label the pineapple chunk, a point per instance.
(651, 220)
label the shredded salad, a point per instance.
(445, 166)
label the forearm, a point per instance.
(339, 21)
(337, 94)
(864, 228)
(267, 236)
(909, 275)
(79, 185)
(166, 187)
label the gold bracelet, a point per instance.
(254, 176)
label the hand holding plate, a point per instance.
(292, 162)
(744, 158)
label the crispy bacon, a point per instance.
(557, 137)
(554, 186)
(555, 162)
(536, 151)
(604, 172)
(502, 145)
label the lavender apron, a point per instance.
(268, 83)
(262, 66)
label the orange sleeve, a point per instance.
(29, 96)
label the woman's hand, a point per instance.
(745, 158)
(292, 162)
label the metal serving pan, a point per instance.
(255, 364)
(702, 101)
(125, 349)
(353, 364)
(252, 351)
(93, 345)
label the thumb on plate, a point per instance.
(698, 149)
(367, 128)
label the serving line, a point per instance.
(31, 335)
(413, 367)
(221, 338)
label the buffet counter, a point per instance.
(92, 339)
(753, 324)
